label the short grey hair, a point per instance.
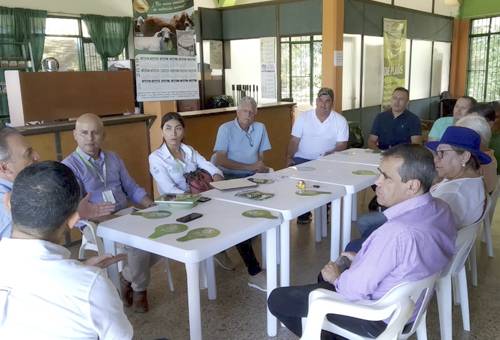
(479, 124)
(4, 145)
(418, 163)
(248, 100)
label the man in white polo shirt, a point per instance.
(317, 133)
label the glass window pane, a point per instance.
(440, 67)
(285, 71)
(318, 37)
(61, 26)
(442, 7)
(373, 70)
(65, 50)
(495, 25)
(317, 67)
(421, 5)
(480, 26)
(407, 63)
(301, 38)
(92, 58)
(85, 30)
(301, 73)
(420, 78)
(245, 65)
(493, 84)
(477, 67)
(351, 71)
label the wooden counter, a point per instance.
(202, 126)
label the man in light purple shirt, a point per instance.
(418, 240)
(106, 182)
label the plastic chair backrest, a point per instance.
(420, 292)
(89, 231)
(464, 242)
(493, 202)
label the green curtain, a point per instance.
(19, 26)
(109, 35)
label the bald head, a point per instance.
(89, 134)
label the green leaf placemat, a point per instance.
(364, 172)
(261, 180)
(199, 233)
(152, 214)
(311, 192)
(259, 213)
(165, 229)
(255, 195)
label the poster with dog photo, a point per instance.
(165, 50)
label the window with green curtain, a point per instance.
(19, 26)
(109, 34)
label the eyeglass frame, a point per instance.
(440, 153)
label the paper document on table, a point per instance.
(230, 184)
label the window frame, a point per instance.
(313, 38)
(470, 53)
(81, 40)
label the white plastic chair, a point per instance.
(488, 219)
(90, 241)
(465, 241)
(398, 305)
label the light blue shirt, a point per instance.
(240, 145)
(5, 217)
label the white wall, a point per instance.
(101, 7)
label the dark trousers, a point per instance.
(245, 248)
(290, 304)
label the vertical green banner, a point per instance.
(394, 57)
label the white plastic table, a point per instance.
(225, 216)
(355, 156)
(337, 173)
(290, 205)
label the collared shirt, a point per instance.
(5, 217)
(46, 295)
(168, 171)
(394, 131)
(316, 137)
(417, 241)
(242, 146)
(116, 177)
(465, 196)
(439, 127)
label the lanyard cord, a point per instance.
(93, 168)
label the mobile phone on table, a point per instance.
(190, 217)
(204, 199)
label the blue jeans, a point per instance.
(367, 224)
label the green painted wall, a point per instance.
(479, 8)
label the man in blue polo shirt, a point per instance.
(397, 125)
(240, 143)
(239, 150)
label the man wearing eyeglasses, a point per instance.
(241, 143)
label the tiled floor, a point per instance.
(239, 311)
